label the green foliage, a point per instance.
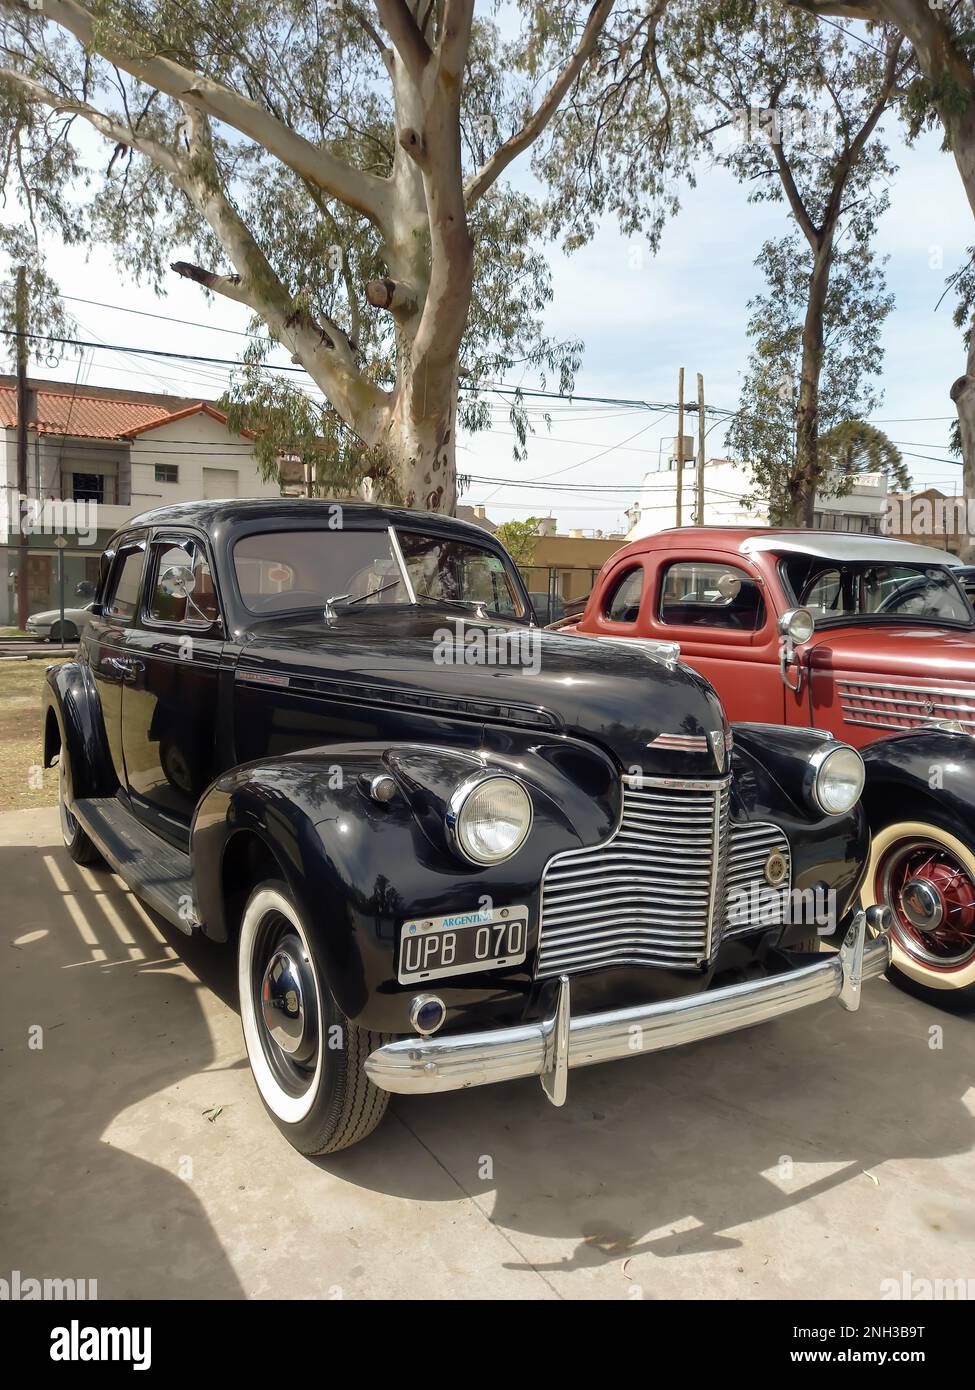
(763, 431)
(46, 315)
(518, 538)
(854, 446)
(318, 68)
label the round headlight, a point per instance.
(799, 625)
(489, 818)
(837, 782)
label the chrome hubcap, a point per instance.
(282, 1003)
(286, 1000)
(922, 904)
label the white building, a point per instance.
(96, 458)
(727, 484)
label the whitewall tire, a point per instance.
(926, 875)
(306, 1057)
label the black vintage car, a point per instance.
(332, 738)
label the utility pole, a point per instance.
(20, 309)
(700, 449)
(680, 442)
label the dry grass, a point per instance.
(21, 737)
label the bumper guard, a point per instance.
(549, 1048)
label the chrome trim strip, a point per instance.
(910, 689)
(398, 552)
(448, 1062)
(904, 703)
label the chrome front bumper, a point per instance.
(548, 1049)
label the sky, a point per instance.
(641, 318)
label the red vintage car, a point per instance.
(869, 639)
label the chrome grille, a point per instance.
(645, 896)
(904, 706)
(749, 901)
(655, 893)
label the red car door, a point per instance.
(719, 610)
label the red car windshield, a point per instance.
(845, 592)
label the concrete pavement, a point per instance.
(815, 1157)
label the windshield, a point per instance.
(845, 592)
(285, 570)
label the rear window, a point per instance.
(622, 604)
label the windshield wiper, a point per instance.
(393, 584)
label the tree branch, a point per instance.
(405, 36)
(321, 347)
(533, 127)
(360, 190)
(160, 154)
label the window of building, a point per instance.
(167, 472)
(700, 594)
(88, 487)
(622, 604)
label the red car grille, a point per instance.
(904, 706)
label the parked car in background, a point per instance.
(49, 627)
(446, 847)
(869, 639)
(547, 609)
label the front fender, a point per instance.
(928, 766)
(357, 868)
(830, 851)
(69, 697)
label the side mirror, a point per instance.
(796, 626)
(178, 581)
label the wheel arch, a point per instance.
(931, 772)
(73, 722)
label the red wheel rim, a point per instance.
(932, 895)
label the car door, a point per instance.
(105, 637)
(171, 689)
(720, 613)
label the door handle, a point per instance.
(126, 667)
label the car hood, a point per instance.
(919, 651)
(622, 697)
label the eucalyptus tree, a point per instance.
(335, 166)
(791, 106)
(941, 34)
(764, 430)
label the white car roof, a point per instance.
(844, 547)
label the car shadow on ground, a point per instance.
(676, 1153)
(671, 1154)
(97, 980)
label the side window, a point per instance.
(701, 594)
(124, 584)
(622, 604)
(181, 584)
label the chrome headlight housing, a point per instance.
(488, 818)
(834, 779)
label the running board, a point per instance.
(157, 872)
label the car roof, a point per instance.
(842, 546)
(318, 511)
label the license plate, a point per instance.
(431, 947)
